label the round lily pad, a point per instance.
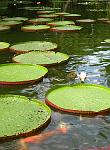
(60, 23)
(72, 15)
(48, 16)
(20, 116)
(33, 46)
(44, 12)
(103, 19)
(15, 19)
(34, 28)
(10, 23)
(40, 20)
(4, 28)
(85, 21)
(80, 98)
(62, 13)
(4, 45)
(21, 73)
(107, 40)
(66, 28)
(41, 58)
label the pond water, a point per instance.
(89, 53)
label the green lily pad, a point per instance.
(72, 15)
(44, 12)
(33, 46)
(80, 98)
(34, 28)
(4, 28)
(41, 58)
(21, 73)
(40, 20)
(4, 45)
(61, 23)
(66, 28)
(20, 116)
(10, 23)
(107, 40)
(103, 19)
(62, 13)
(48, 16)
(15, 19)
(85, 21)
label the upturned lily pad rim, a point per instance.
(25, 51)
(34, 28)
(77, 112)
(56, 29)
(34, 130)
(25, 81)
(45, 64)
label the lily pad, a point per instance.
(66, 28)
(103, 19)
(33, 46)
(41, 58)
(80, 98)
(4, 45)
(21, 73)
(85, 21)
(20, 116)
(40, 20)
(34, 28)
(4, 28)
(44, 12)
(10, 23)
(107, 40)
(15, 19)
(48, 16)
(72, 15)
(62, 13)
(60, 23)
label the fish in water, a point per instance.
(62, 128)
(82, 76)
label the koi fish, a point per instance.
(82, 76)
(47, 134)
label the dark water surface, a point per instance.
(88, 52)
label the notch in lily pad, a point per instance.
(85, 99)
(33, 46)
(41, 58)
(18, 74)
(21, 116)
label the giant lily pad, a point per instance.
(15, 19)
(60, 23)
(40, 20)
(80, 98)
(10, 23)
(4, 45)
(33, 46)
(86, 20)
(48, 16)
(45, 12)
(72, 15)
(41, 58)
(20, 73)
(34, 28)
(62, 13)
(20, 116)
(66, 28)
(4, 28)
(107, 40)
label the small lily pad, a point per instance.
(20, 116)
(34, 28)
(41, 58)
(86, 20)
(48, 16)
(15, 19)
(33, 46)
(107, 40)
(10, 23)
(80, 99)
(66, 28)
(40, 20)
(61, 23)
(21, 73)
(4, 45)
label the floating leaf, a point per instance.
(4, 45)
(80, 98)
(66, 28)
(4, 28)
(20, 116)
(48, 16)
(34, 28)
(10, 23)
(15, 19)
(62, 13)
(40, 20)
(107, 40)
(61, 23)
(33, 46)
(85, 21)
(41, 58)
(21, 73)
(72, 15)
(44, 12)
